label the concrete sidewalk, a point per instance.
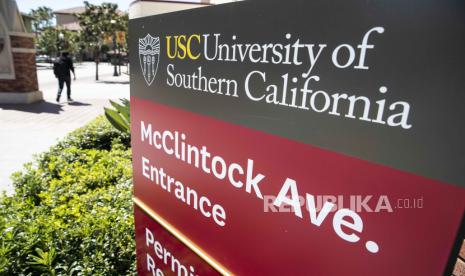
(29, 129)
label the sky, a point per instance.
(26, 5)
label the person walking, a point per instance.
(62, 68)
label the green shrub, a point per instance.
(71, 213)
(96, 135)
(119, 116)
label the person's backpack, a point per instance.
(58, 67)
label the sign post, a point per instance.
(303, 138)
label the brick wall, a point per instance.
(24, 66)
(459, 269)
(21, 42)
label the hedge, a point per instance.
(71, 213)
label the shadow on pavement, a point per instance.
(44, 67)
(113, 82)
(77, 103)
(38, 107)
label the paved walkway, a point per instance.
(29, 129)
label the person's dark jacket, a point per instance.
(62, 67)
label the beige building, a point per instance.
(67, 20)
(141, 8)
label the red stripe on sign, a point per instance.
(229, 190)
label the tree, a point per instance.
(43, 18)
(97, 22)
(45, 33)
(124, 24)
(74, 44)
(46, 41)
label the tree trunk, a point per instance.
(96, 66)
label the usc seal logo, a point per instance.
(149, 55)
